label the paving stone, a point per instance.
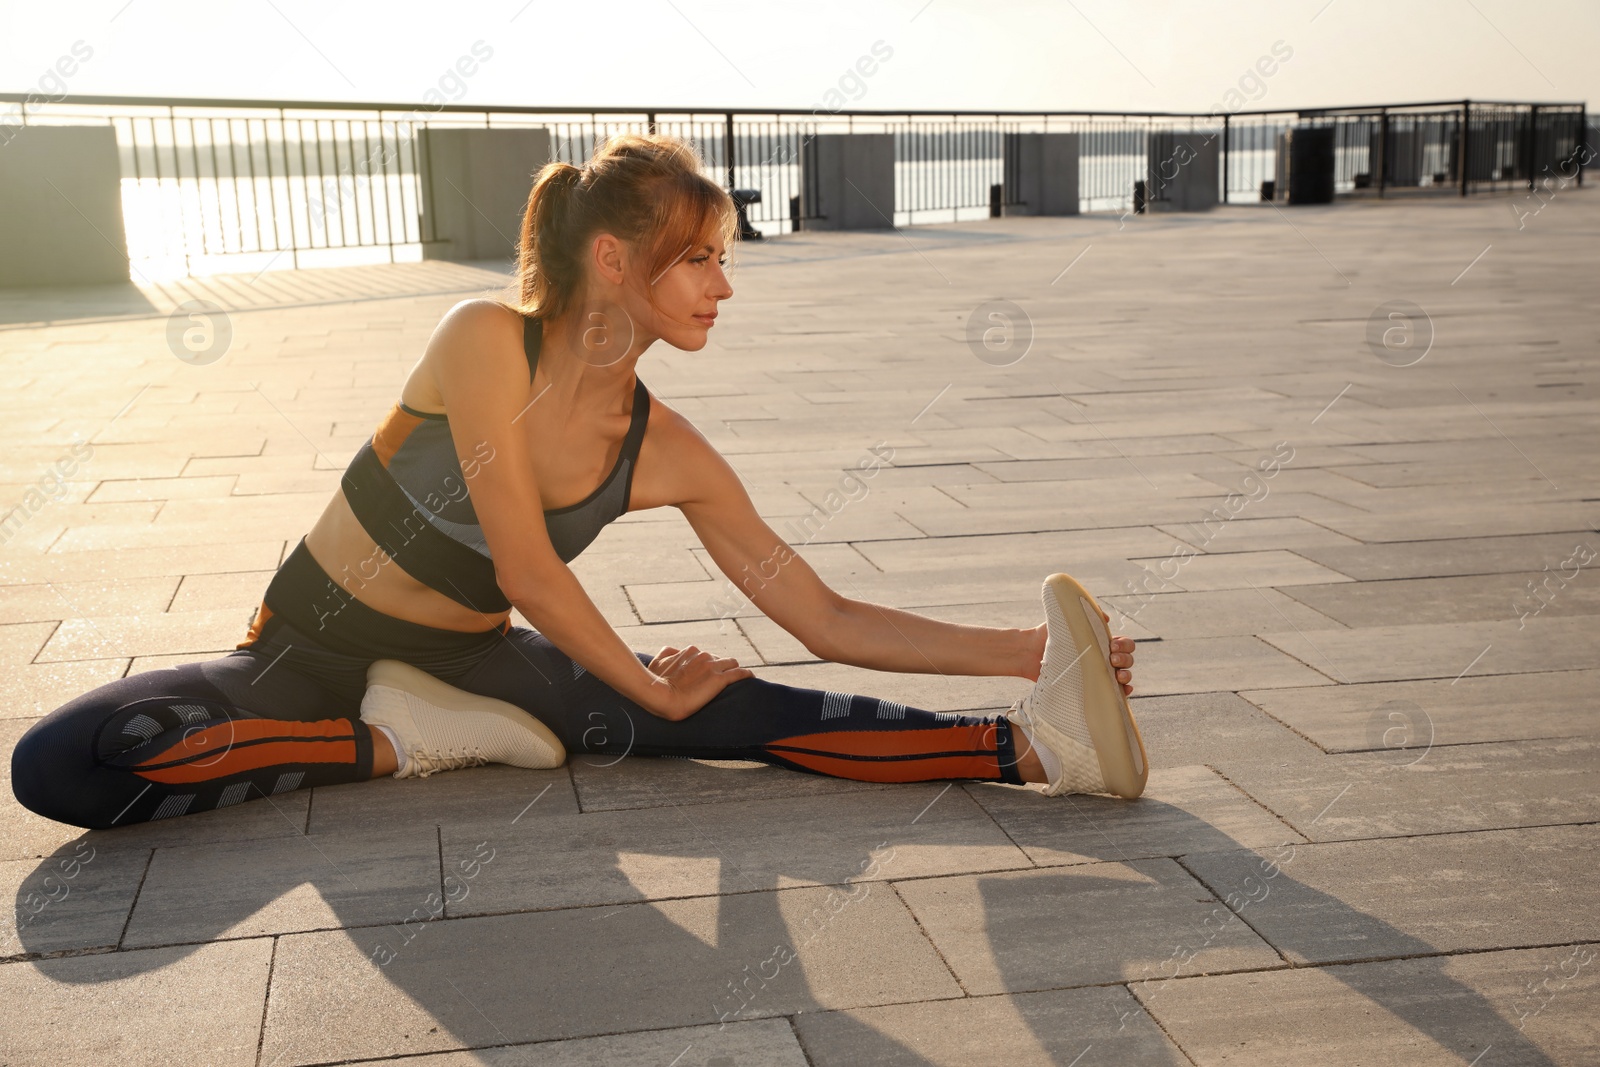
(1025, 1030)
(30, 690)
(1236, 570)
(605, 783)
(59, 600)
(572, 973)
(1224, 612)
(1182, 810)
(1463, 599)
(1494, 707)
(206, 592)
(1360, 900)
(1444, 650)
(1417, 788)
(764, 1043)
(1207, 728)
(1214, 664)
(195, 1004)
(1001, 934)
(495, 793)
(129, 563)
(1257, 535)
(244, 889)
(676, 851)
(220, 630)
(1475, 1008)
(77, 898)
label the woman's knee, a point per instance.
(49, 773)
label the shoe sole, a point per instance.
(1123, 764)
(394, 674)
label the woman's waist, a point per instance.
(350, 558)
(307, 597)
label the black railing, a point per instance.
(207, 180)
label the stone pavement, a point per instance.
(1363, 583)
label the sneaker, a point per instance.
(1077, 710)
(442, 728)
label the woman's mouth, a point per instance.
(706, 320)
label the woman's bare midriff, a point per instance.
(353, 560)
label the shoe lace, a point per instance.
(446, 759)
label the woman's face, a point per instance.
(680, 304)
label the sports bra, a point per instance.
(407, 489)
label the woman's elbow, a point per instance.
(529, 586)
(823, 638)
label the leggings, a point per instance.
(282, 712)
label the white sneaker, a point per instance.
(442, 728)
(1077, 710)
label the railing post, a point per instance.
(1466, 126)
(1225, 132)
(728, 141)
(1531, 155)
(1583, 137)
(1382, 166)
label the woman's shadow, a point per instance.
(482, 909)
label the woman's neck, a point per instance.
(579, 371)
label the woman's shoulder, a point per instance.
(477, 334)
(480, 316)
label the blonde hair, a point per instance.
(646, 189)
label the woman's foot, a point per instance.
(1077, 716)
(440, 728)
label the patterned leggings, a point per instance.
(281, 713)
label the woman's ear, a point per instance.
(610, 257)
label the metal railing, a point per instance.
(207, 180)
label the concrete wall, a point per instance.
(847, 182)
(61, 206)
(475, 187)
(1184, 172)
(1041, 174)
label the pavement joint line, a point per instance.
(1299, 631)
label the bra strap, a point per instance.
(641, 415)
(532, 339)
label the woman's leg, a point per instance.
(838, 734)
(187, 739)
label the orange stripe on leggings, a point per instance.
(249, 744)
(921, 769)
(896, 755)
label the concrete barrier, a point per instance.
(61, 206)
(1041, 174)
(1184, 170)
(474, 189)
(1305, 165)
(847, 182)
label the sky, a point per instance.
(1061, 55)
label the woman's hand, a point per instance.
(1121, 655)
(688, 678)
(1121, 658)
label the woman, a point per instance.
(383, 643)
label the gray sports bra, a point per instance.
(407, 489)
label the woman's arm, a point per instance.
(477, 360)
(786, 589)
